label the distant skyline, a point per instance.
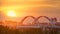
(50, 8)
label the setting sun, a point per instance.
(11, 13)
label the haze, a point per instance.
(50, 8)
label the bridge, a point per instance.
(37, 24)
(51, 20)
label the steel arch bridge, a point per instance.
(35, 19)
(51, 20)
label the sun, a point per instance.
(11, 13)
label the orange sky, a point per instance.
(49, 8)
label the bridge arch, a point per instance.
(44, 17)
(26, 18)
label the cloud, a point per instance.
(44, 7)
